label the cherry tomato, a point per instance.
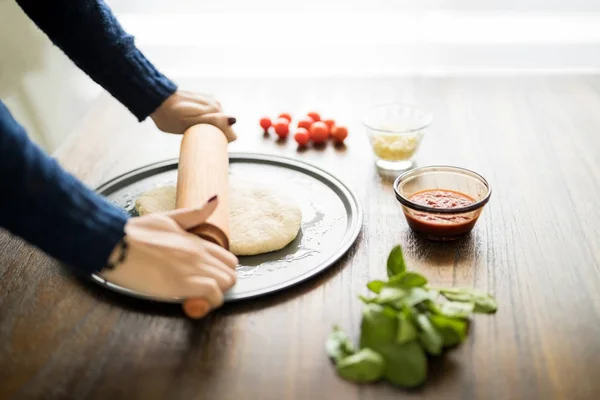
(319, 132)
(314, 115)
(339, 133)
(282, 127)
(330, 123)
(302, 136)
(286, 116)
(265, 123)
(306, 123)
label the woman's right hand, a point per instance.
(166, 261)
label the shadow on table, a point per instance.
(435, 252)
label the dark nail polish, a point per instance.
(231, 120)
(212, 198)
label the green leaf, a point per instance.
(389, 311)
(405, 364)
(407, 279)
(484, 302)
(390, 295)
(458, 309)
(338, 345)
(407, 331)
(375, 286)
(362, 367)
(378, 326)
(430, 338)
(456, 295)
(415, 296)
(367, 300)
(395, 262)
(453, 330)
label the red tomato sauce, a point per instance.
(439, 198)
(441, 226)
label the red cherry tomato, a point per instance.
(330, 123)
(314, 115)
(286, 116)
(319, 132)
(305, 123)
(265, 123)
(302, 136)
(282, 127)
(339, 133)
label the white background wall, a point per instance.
(302, 38)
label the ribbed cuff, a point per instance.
(100, 245)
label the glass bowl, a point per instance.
(442, 217)
(395, 131)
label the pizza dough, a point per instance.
(261, 220)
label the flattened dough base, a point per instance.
(261, 220)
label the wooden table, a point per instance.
(537, 247)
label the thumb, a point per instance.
(221, 121)
(188, 218)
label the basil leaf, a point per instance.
(405, 364)
(456, 295)
(378, 325)
(389, 311)
(415, 296)
(430, 338)
(452, 330)
(366, 300)
(338, 345)
(484, 302)
(407, 331)
(375, 286)
(362, 367)
(395, 262)
(390, 295)
(407, 279)
(458, 309)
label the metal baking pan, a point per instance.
(331, 220)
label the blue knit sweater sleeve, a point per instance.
(88, 32)
(50, 208)
(40, 201)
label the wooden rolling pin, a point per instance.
(203, 172)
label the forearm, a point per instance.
(51, 209)
(88, 32)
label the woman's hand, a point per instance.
(183, 109)
(166, 261)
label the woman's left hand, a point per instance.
(184, 109)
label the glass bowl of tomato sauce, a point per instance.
(442, 202)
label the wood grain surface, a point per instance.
(536, 246)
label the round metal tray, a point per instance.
(331, 220)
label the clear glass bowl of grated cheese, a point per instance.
(395, 131)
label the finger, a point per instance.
(188, 218)
(223, 255)
(213, 268)
(196, 287)
(221, 264)
(189, 110)
(221, 121)
(202, 99)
